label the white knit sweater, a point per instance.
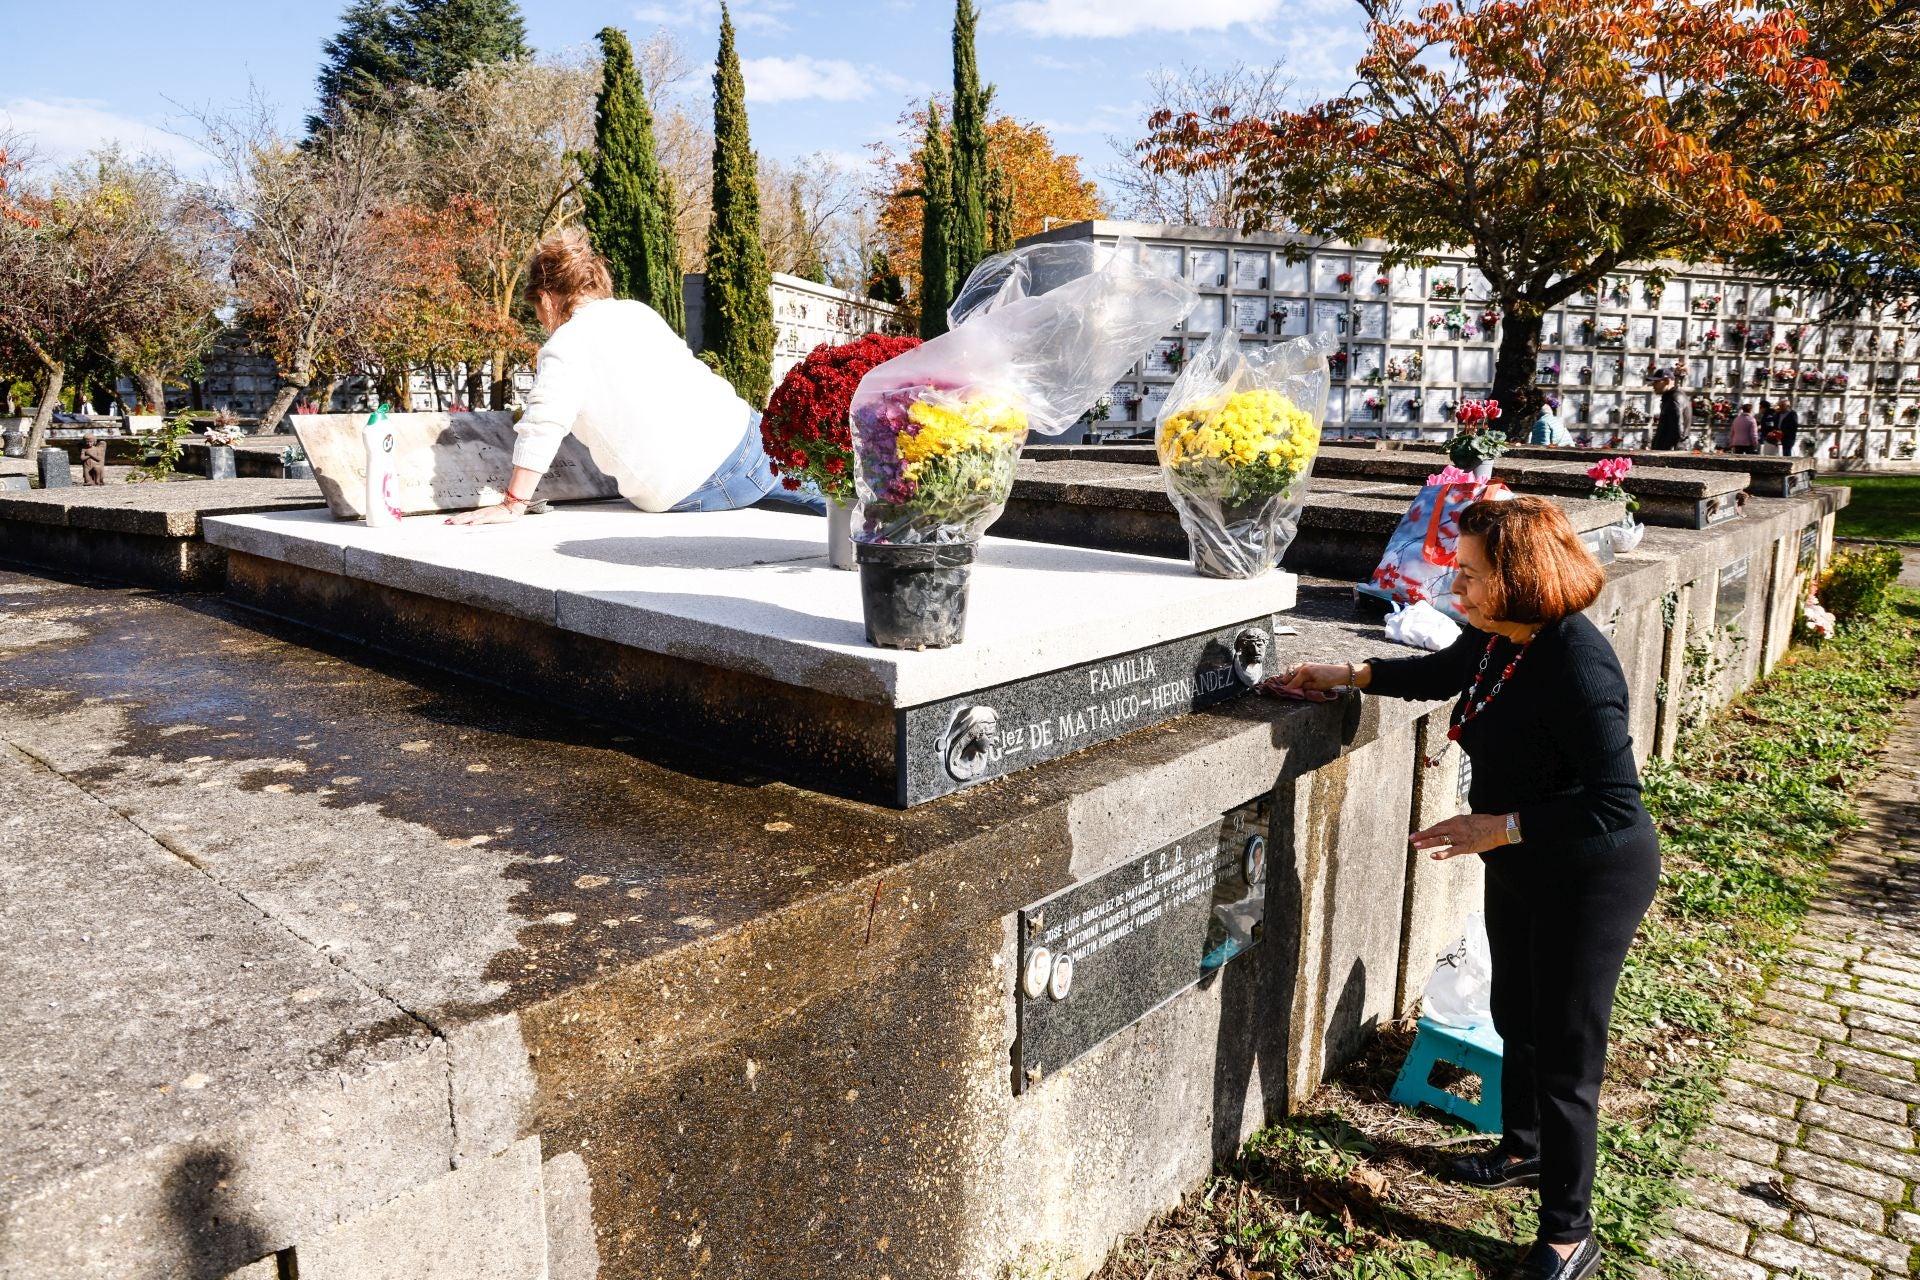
(655, 419)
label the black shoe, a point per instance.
(1544, 1263)
(1494, 1168)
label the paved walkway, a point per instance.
(1811, 1160)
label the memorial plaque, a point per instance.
(442, 462)
(1327, 270)
(1098, 957)
(1250, 271)
(1730, 601)
(962, 741)
(1718, 509)
(1289, 277)
(1209, 268)
(1250, 315)
(1809, 547)
(1798, 482)
(1208, 315)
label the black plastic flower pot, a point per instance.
(914, 596)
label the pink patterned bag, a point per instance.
(1420, 559)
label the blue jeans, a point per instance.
(742, 480)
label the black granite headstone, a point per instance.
(1099, 956)
(945, 746)
(56, 469)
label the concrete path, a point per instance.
(1810, 1163)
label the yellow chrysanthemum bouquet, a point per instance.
(1237, 441)
(1036, 337)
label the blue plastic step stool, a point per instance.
(1475, 1049)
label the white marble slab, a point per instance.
(442, 461)
(751, 591)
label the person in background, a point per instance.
(1547, 428)
(671, 433)
(1787, 423)
(1743, 436)
(1572, 858)
(1673, 418)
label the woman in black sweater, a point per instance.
(1571, 856)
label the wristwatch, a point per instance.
(1513, 828)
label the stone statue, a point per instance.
(93, 460)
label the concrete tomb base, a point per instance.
(729, 630)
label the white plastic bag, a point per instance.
(1421, 625)
(1038, 335)
(1625, 536)
(1461, 987)
(1237, 438)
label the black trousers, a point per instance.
(1558, 927)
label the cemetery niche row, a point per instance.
(1417, 339)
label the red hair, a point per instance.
(1539, 570)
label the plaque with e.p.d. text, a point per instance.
(1098, 957)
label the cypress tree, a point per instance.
(999, 211)
(739, 313)
(936, 228)
(970, 102)
(360, 64)
(628, 202)
(445, 37)
(883, 282)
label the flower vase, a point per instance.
(1484, 471)
(1236, 540)
(914, 595)
(840, 535)
(1626, 535)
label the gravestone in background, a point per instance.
(442, 462)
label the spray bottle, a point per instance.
(382, 508)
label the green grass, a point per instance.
(1885, 507)
(1748, 810)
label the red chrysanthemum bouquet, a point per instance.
(804, 429)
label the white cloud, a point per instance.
(748, 15)
(1129, 17)
(801, 78)
(57, 130)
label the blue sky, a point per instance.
(821, 76)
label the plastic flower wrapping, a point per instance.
(1036, 337)
(1237, 438)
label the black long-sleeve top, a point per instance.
(1554, 746)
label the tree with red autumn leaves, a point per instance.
(1558, 139)
(430, 316)
(804, 430)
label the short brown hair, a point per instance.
(566, 269)
(1541, 571)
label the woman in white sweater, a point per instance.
(670, 432)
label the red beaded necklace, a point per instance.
(1475, 704)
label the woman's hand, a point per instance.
(501, 514)
(1463, 833)
(1315, 681)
